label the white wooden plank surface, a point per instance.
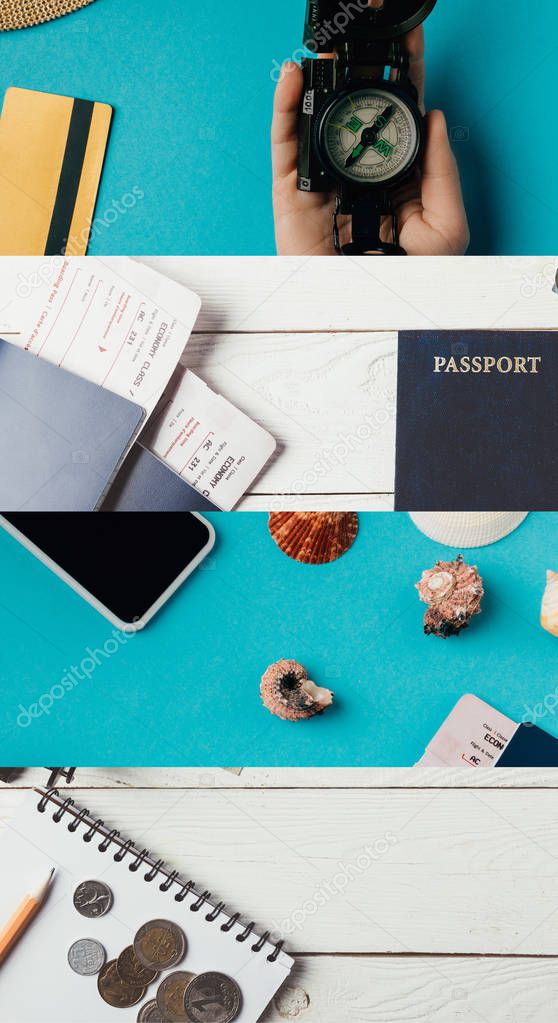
(293, 778)
(472, 871)
(307, 347)
(263, 294)
(447, 871)
(408, 989)
(328, 399)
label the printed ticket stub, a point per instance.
(474, 735)
(214, 446)
(117, 323)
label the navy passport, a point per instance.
(530, 747)
(62, 438)
(146, 484)
(477, 417)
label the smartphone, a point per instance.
(127, 565)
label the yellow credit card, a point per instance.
(52, 150)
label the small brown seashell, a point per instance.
(453, 591)
(288, 693)
(314, 538)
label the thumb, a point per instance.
(442, 199)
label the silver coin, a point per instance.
(149, 1013)
(87, 957)
(212, 998)
(93, 899)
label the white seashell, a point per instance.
(549, 609)
(467, 529)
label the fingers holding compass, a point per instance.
(442, 198)
(433, 222)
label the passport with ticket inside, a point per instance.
(477, 735)
(62, 438)
(477, 417)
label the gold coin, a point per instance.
(115, 991)
(160, 945)
(132, 971)
(170, 996)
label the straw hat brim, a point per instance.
(24, 13)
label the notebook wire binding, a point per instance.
(95, 828)
(67, 773)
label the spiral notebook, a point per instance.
(36, 982)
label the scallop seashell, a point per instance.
(467, 529)
(288, 693)
(549, 609)
(453, 591)
(314, 538)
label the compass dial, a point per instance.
(370, 136)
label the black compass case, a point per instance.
(328, 21)
(361, 36)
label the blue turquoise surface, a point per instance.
(185, 691)
(191, 84)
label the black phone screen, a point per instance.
(126, 561)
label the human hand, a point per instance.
(431, 215)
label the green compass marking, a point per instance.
(383, 119)
(355, 124)
(384, 148)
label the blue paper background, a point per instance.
(186, 690)
(191, 85)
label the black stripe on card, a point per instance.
(70, 175)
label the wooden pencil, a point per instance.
(23, 916)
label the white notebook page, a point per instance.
(36, 982)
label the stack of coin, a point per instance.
(124, 981)
(159, 945)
